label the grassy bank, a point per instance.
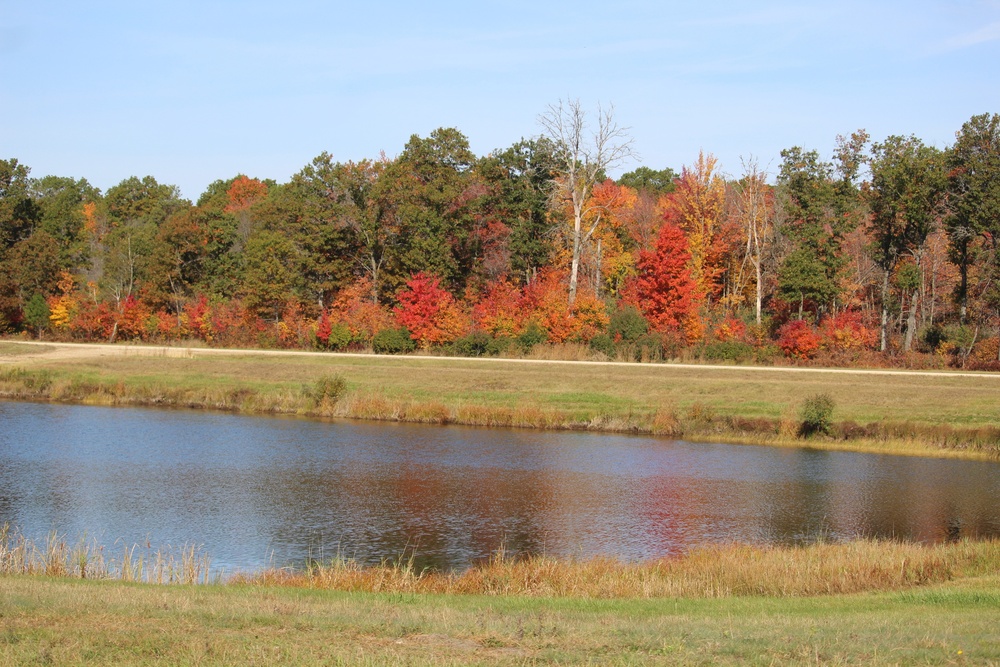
(941, 415)
(861, 602)
(74, 622)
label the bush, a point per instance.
(532, 335)
(798, 339)
(499, 346)
(728, 350)
(627, 324)
(474, 344)
(816, 415)
(602, 343)
(931, 338)
(328, 388)
(340, 336)
(393, 341)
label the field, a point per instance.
(939, 414)
(70, 622)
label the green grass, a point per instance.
(58, 621)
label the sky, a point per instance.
(193, 92)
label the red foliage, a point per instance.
(428, 311)
(731, 329)
(499, 310)
(324, 328)
(664, 290)
(798, 339)
(199, 318)
(846, 331)
(132, 318)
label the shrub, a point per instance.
(627, 324)
(728, 350)
(339, 337)
(393, 341)
(474, 344)
(499, 345)
(532, 335)
(603, 343)
(931, 338)
(798, 339)
(816, 415)
(329, 388)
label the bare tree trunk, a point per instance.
(884, 329)
(582, 160)
(911, 321)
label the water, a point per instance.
(263, 491)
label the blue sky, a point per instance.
(191, 92)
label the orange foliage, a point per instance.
(244, 193)
(697, 206)
(294, 328)
(846, 331)
(355, 308)
(731, 329)
(798, 339)
(498, 311)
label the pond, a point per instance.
(253, 491)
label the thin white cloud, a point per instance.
(987, 33)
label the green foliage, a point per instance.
(932, 337)
(532, 335)
(645, 179)
(627, 324)
(473, 344)
(816, 415)
(340, 336)
(604, 344)
(728, 350)
(328, 388)
(36, 313)
(393, 341)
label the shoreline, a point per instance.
(407, 390)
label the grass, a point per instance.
(79, 622)
(861, 602)
(946, 415)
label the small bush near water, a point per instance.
(329, 389)
(816, 415)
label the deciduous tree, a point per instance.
(582, 159)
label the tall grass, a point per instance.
(709, 572)
(87, 559)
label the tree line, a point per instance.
(884, 252)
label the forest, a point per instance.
(884, 253)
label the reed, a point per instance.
(708, 572)
(88, 559)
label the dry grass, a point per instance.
(87, 559)
(711, 572)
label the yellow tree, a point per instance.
(697, 206)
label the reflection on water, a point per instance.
(254, 491)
